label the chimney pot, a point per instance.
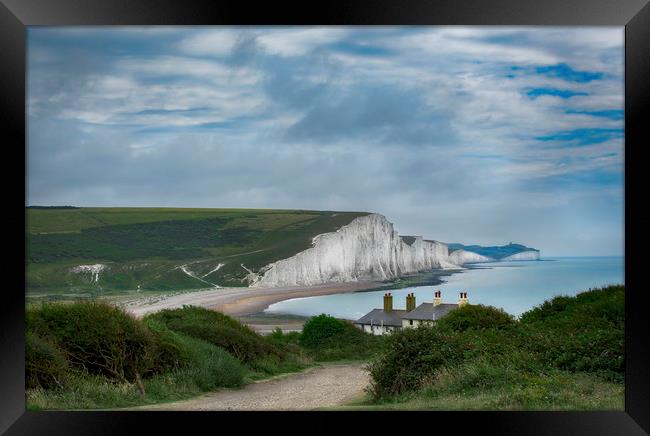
(463, 300)
(388, 303)
(410, 302)
(437, 299)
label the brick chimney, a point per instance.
(463, 300)
(437, 298)
(388, 302)
(410, 302)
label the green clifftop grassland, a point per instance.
(161, 248)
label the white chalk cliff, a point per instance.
(461, 257)
(524, 255)
(368, 248)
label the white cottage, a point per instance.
(386, 320)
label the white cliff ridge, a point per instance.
(524, 255)
(368, 248)
(461, 257)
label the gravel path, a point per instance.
(323, 386)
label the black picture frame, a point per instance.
(15, 15)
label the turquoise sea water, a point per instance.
(514, 286)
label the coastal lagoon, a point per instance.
(514, 286)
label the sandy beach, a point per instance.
(241, 301)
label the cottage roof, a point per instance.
(427, 311)
(393, 318)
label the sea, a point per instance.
(516, 287)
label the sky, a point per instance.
(479, 135)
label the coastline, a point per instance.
(244, 301)
(248, 301)
(248, 304)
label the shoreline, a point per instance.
(249, 301)
(244, 301)
(248, 304)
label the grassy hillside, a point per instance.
(89, 355)
(162, 248)
(566, 354)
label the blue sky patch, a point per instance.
(612, 114)
(583, 136)
(562, 93)
(565, 72)
(361, 49)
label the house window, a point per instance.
(410, 322)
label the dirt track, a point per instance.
(324, 386)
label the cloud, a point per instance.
(211, 42)
(298, 41)
(380, 113)
(470, 134)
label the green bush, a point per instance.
(547, 309)
(170, 349)
(321, 329)
(289, 343)
(606, 304)
(207, 366)
(582, 333)
(218, 329)
(278, 337)
(97, 338)
(327, 338)
(476, 317)
(45, 364)
(483, 375)
(410, 358)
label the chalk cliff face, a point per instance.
(461, 257)
(366, 249)
(524, 255)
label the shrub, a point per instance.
(289, 343)
(411, 357)
(208, 366)
(218, 329)
(480, 375)
(170, 350)
(476, 317)
(327, 338)
(547, 309)
(96, 337)
(606, 304)
(278, 337)
(586, 335)
(45, 364)
(320, 330)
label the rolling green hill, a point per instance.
(99, 250)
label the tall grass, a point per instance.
(484, 384)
